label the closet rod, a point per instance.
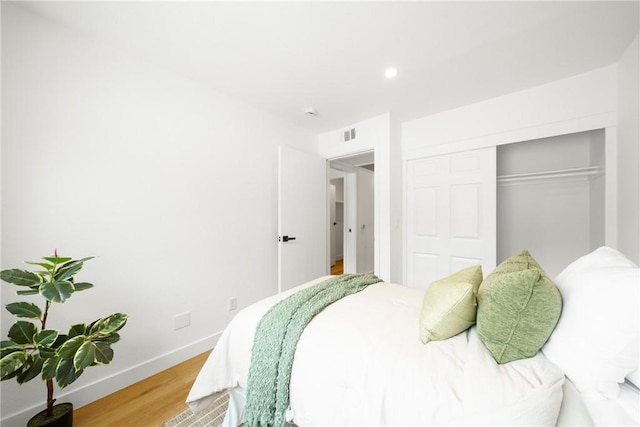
(560, 173)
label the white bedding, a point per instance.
(621, 411)
(361, 362)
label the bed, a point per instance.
(363, 360)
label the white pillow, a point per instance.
(596, 339)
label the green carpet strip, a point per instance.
(275, 344)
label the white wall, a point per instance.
(583, 102)
(629, 152)
(395, 204)
(170, 185)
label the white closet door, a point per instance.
(451, 215)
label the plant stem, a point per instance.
(50, 398)
(44, 316)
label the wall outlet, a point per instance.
(233, 303)
(181, 320)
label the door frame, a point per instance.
(350, 246)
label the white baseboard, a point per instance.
(93, 391)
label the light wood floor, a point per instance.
(337, 267)
(147, 403)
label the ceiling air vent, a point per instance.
(349, 134)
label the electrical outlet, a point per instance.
(181, 320)
(233, 303)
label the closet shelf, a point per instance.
(588, 171)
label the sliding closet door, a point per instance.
(451, 214)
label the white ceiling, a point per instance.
(285, 56)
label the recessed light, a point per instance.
(391, 72)
(310, 112)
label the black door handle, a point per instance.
(285, 238)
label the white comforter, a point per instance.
(361, 362)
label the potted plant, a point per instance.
(34, 350)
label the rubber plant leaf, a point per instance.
(20, 277)
(33, 368)
(29, 292)
(66, 373)
(22, 332)
(66, 273)
(76, 261)
(68, 350)
(56, 291)
(71, 267)
(81, 286)
(49, 368)
(85, 356)
(56, 260)
(8, 347)
(46, 337)
(78, 329)
(62, 338)
(111, 339)
(12, 363)
(110, 324)
(26, 310)
(45, 265)
(47, 352)
(104, 352)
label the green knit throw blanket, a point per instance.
(275, 342)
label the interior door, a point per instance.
(365, 223)
(451, 214)
(302, 217)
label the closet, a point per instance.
(481, 206)
(551, 198)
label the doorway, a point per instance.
(336, 221)
(351, 213)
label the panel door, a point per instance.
(451, 214)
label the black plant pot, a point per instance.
(62, 417)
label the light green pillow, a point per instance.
(449, 305)
(518, 308)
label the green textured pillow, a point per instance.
(449, 305)
(518, 308)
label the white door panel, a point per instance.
(302, 217)
(451, 211)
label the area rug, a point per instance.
(210, 417)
